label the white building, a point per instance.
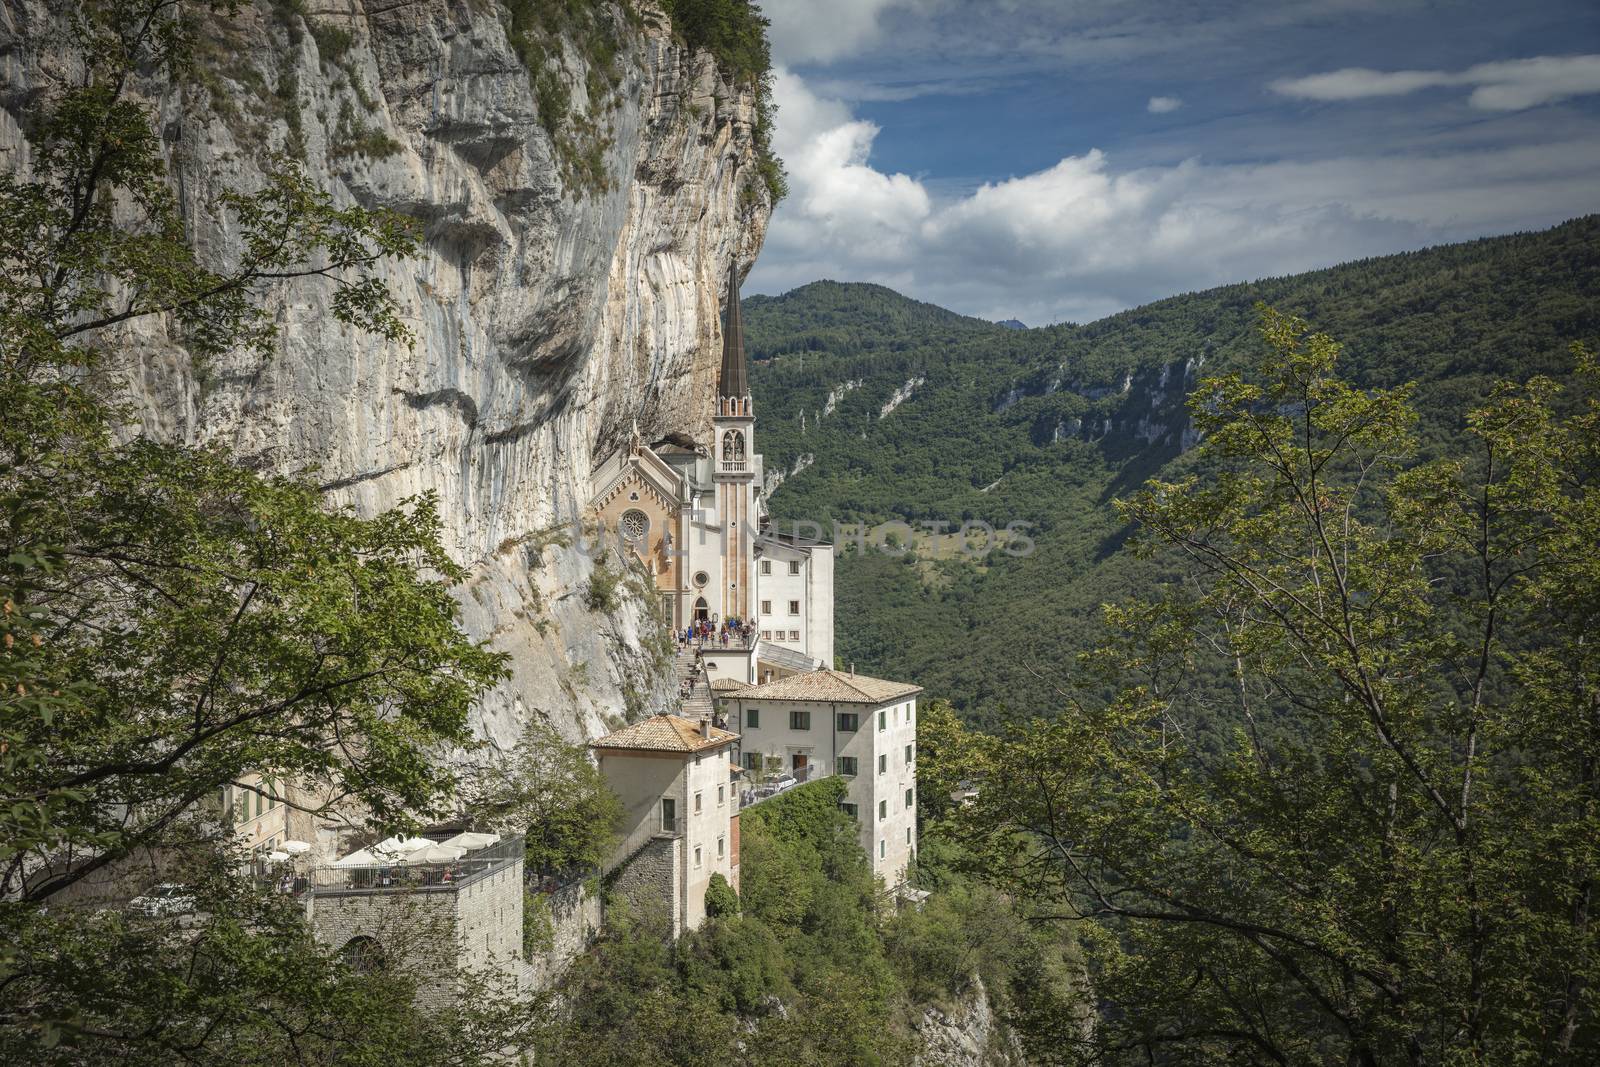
(680, 813)
(795, 592)
(836, 722)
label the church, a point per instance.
(764, 707)
(694, 512)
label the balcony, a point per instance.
(403, 877)
(735, 465)
(778, 785)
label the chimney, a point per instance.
(705, 727)
(852, 668)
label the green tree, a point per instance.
(174, 623)
(550, 791)
(721, 900)
(1391, 858)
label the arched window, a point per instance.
(363, 955)
(702, 610)
(733, 450)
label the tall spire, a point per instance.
(734, 382)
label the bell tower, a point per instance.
(733, 458)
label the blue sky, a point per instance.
(1063, 159)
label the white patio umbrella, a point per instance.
(400, 846)
(363, 858)
(437, 854)
(471, 841)
(277, 856)
(296, 848)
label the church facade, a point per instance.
(693, 511)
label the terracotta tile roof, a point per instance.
(728, 685)
(831, 686)
(665, 733)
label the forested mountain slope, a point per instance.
(874, 407)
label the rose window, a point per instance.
(635, 525)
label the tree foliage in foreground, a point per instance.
(1392, 859)
(173, 623)
(551, 792)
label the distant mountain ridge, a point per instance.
(879, 407)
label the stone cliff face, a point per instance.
(966, 1033)
(548, 318)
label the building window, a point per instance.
(850, 810)
(697, 804)
(766, 607)
(794, 566)
(908, 755)
(669, 815)
(883, 763)
(909, 709)
(752, 761)
(721, 842)
(697, 856)
(882, 849)
(910, 800)
(635, 525)
(722, 795)
(908, 835)
(766, 566)
(847, 766)
(799, 720)
(883, 721)
(794, 607)
(752, 718)
(794, 635)
(766, 635)
(883, 810)
(849, 721)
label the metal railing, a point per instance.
(404, 876)
(780, 784)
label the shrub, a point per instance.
(601, 594)
(721, 900)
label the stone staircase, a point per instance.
(698, 703)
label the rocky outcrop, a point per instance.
(966, 1034)
(836, 394)
(902, 394)
(550, 310)
(1142, 408)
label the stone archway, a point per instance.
(364, 955)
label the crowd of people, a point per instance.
(734, 633)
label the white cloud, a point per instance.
(1161, 105)
(1083, 238)
(1510, 85)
